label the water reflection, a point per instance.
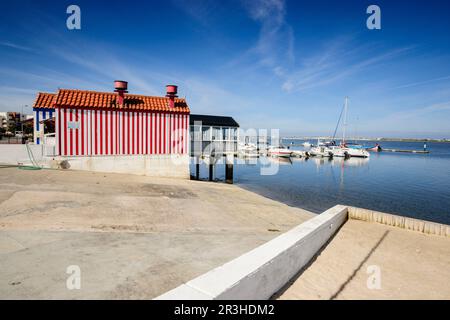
(318, 161)
(280, 161)
(351, 162)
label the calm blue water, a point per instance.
(415, 185)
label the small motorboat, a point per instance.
(376, 148)
(307, 144)
(248, 150)
(279, 152)
(357, 152)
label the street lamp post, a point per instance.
(21, 121)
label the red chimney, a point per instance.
(171, 93)
(121, 87)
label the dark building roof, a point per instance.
(213, 120)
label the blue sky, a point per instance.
(268, 63)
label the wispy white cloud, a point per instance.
(110, 67)
(200, 10)
(275, 41)
(444, 106)
(275, 50)
(333, 65)
(420, 83)
(14, 46)
(418, 114)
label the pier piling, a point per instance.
(229, 169)
(197, 168)
(211, 171)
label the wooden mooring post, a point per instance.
(211, 172)
(197, 168)
(229, 161)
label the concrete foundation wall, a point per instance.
(14, 154)
(150, 165)
(399, 221)
(262, 272)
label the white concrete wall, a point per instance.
(150, 165)
(407, 223)
(17, 153)
(262, 272)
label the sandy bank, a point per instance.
(412, 265)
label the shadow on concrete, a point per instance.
(283, 289)
(342, 287)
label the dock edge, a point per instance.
(407, 223)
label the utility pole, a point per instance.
(21, 121)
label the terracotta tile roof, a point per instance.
(95, 99)
(45, 100)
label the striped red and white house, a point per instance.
(91, 123)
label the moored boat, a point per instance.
(358, 153)
(338, 151)
(248, 150)
(321, 151)
(300, 153)
(376, 148)
(279, 152)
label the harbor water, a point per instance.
(413, 185)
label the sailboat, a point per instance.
(347, 149)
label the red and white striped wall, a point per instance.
(82, 132)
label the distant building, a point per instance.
(13, 120)
(3, 120)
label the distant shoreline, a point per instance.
(373, 139)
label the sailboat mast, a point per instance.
(345, 120)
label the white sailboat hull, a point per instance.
(357, 153)
(321, 152)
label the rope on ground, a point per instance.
(34, 164)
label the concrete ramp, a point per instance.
(260, 273)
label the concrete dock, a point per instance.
(132, 236)
(406, 151)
